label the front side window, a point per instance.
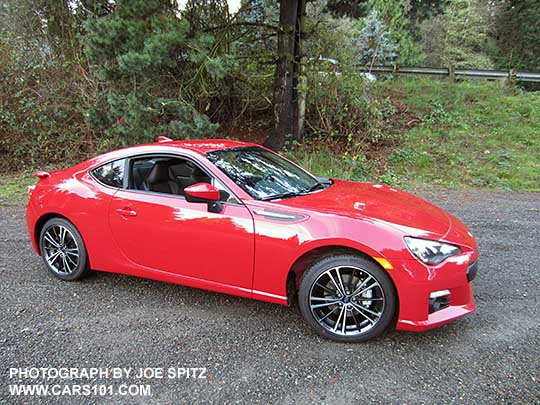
(165, 174)
(171, 175)
(111, 174)
(262, 174)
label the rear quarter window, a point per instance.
(111, 174)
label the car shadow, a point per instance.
(279, 319)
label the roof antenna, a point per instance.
(164, 139)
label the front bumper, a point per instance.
(471, 271)
(416, 281)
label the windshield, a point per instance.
(262, 174)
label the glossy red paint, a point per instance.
(249, 247)
(203, 191)
(41, 174)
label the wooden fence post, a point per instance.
(512, 77)
(452, 73)
(510, 80)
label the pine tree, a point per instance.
(151, 65)
(395, 15)
(517, 33)
(374, 43)
(256, 38)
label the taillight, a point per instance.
(42, 174)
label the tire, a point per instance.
(358, 306)
(62, 249)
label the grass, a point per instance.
(347, 167)
(473, 134)
(470, 135)
(13, 188)
(329, 164)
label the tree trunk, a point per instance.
(285, 75)
(299, 79)
(61, 30)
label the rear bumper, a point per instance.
(31, 219)
(416, 281)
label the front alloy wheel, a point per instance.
(347, 298)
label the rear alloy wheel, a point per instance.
(347, 298)
(62, 249)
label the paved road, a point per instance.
(258, 352)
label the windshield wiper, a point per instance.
(283, 195)
(321, 182)
(313, 187)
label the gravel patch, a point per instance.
(257, 352)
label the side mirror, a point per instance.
(202, 192)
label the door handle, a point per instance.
(126, 212)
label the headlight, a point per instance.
(430, 251)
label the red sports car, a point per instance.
(237, 218)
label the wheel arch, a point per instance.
(297, 269)
(42, 220)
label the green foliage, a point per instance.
(517, 31)
(136, 117)
(389, 177)
(80, 77)
(400, 17)
(203, 15)
(337, 105)
(155, 70)
(323, 32)
(420, 10)
(394, 13)
(374, 43)
(39, 116)
(328, 164)
(256, 45)
(472, 134)
(13, 188)
(347, 8)
(22, 24)
(417, 10)
(458, 37)
(343, 110)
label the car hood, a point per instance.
(402, 210)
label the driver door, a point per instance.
(161, 231)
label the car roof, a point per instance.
(165, 145)
(202, 146)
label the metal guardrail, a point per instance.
(453, 73)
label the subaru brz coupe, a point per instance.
(237, 218)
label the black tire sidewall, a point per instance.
(82, 266)
(317, 268)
